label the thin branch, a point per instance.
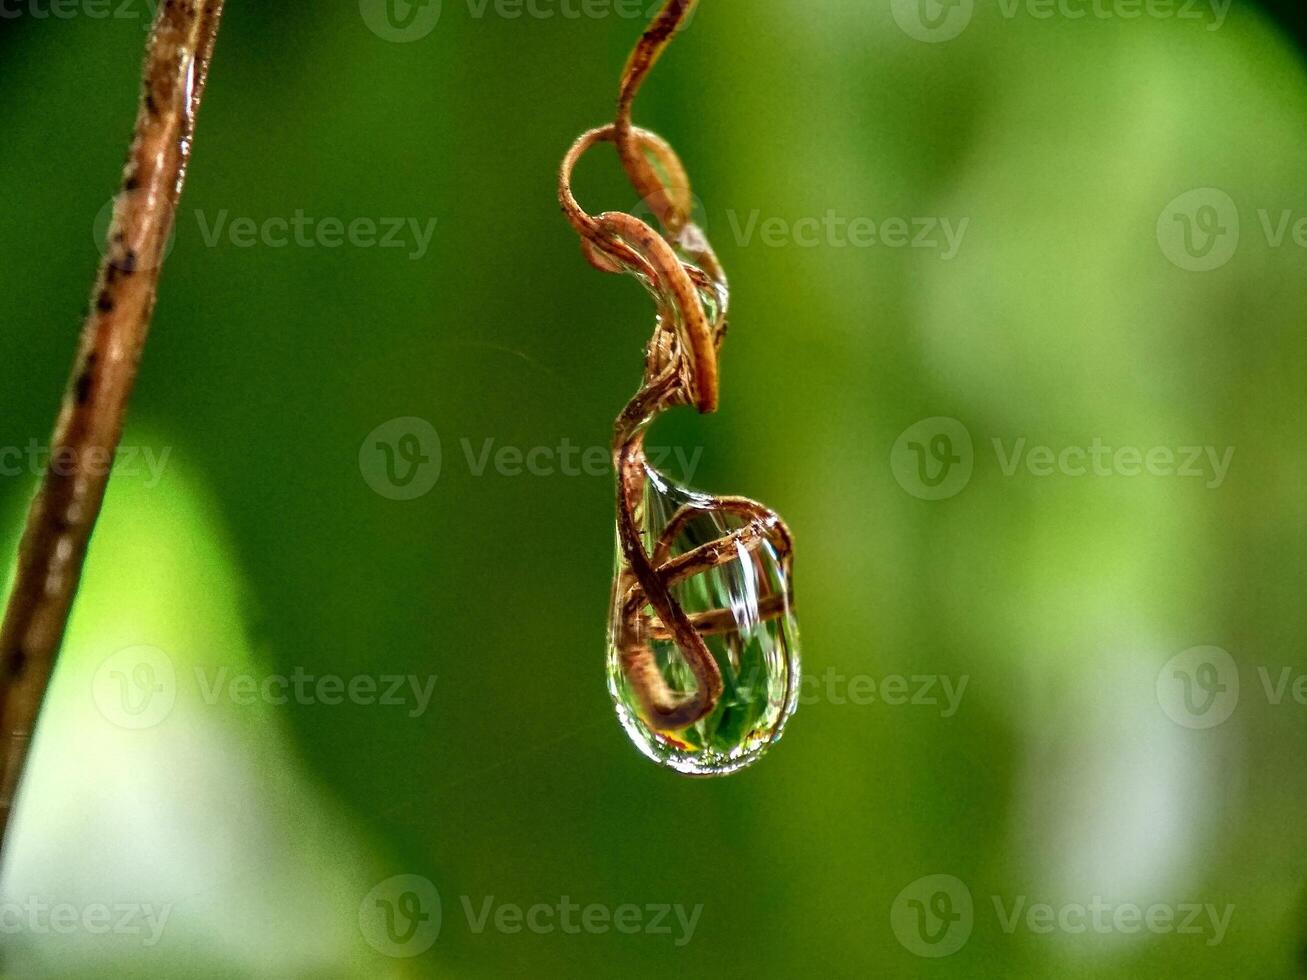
(669, 200)
(90, 422)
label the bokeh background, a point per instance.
(1124, 647)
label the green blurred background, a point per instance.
(1070, 772)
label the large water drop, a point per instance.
(727, 564)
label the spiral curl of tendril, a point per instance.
(689, 287)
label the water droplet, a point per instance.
(727, 564)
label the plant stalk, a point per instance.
(90, 422)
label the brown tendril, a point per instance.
(689, 286)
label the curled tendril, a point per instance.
(689, 287)
(678, 271)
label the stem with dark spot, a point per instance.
(90, 422)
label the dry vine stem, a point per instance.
(90, 422)
(689, 286)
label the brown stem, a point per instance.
(669, 200)
(90, 422)
(704, 558)
(748, 509)
(716, 622)
(669, 710)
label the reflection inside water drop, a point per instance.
(742, 608)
